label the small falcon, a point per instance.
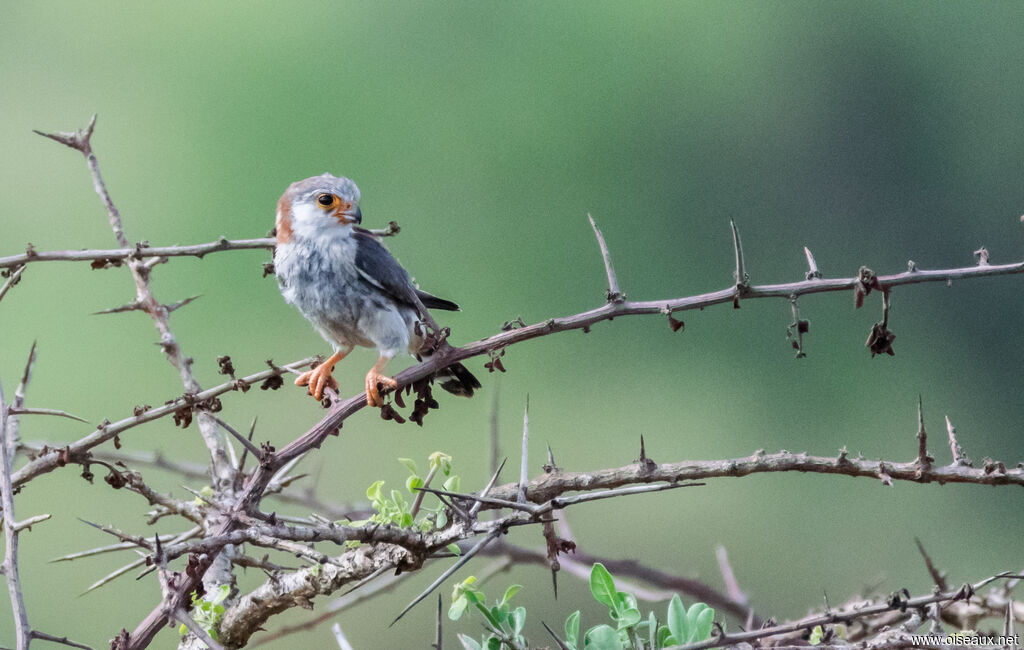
(349, 286)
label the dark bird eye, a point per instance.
(325, 199)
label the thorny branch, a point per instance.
(233, 516)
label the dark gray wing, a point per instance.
(379, 269)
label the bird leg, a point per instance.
(320, 377)
(376, 378)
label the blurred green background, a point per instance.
(872, 133)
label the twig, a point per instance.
(843, 616)
(52, 459)
(13, 430)
(63, 640)
(22, 630)
(38, 411)
(352, 597)
(495, 446)
(12, 280)
(250, 495)
(339, 636)
(157, 252)
(732, 587)
(959, 457)
(183, 617)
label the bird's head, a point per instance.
(317, 205)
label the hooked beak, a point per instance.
(354, 214)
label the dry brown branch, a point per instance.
(143, 250)
(12, 528)
(232, 515)
(898, 602)
(47, 458)
(9, 567)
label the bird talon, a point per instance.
(318, 378)
(376, 384)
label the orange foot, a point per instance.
(320, 377)
(376, 379)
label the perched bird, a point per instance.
(349, 286)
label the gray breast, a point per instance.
(321, 280)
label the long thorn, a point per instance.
(740, 274)
(561, 644)
(239, 437)
(494, 477)
(36, 411)
(812, 267)
(524, 466)
(613, 294)
(444, 576)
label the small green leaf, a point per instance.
(410, 464)
(469, 643)
(627, 617)
(412, 483)
(182, 630)
(700, 618)
(816, 635)
(602, 637)
(677, 623)
(572, 629)
(454, 549)
(458, 607)
(499, 613)
(664, 634)
(373, 492)
(442, 461)
(652, 630)
(602, 587)
(494, 643)
(511, 591)
(452, 484)
(517, 619)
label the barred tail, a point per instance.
(458, 380)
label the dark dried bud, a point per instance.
(226, 367)
(880, 340)
(139, 410)
(272, 383)
(183, 417)
(115, 480)
(192, 568)
(268, 269)
(676, 325)
(388, 412)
